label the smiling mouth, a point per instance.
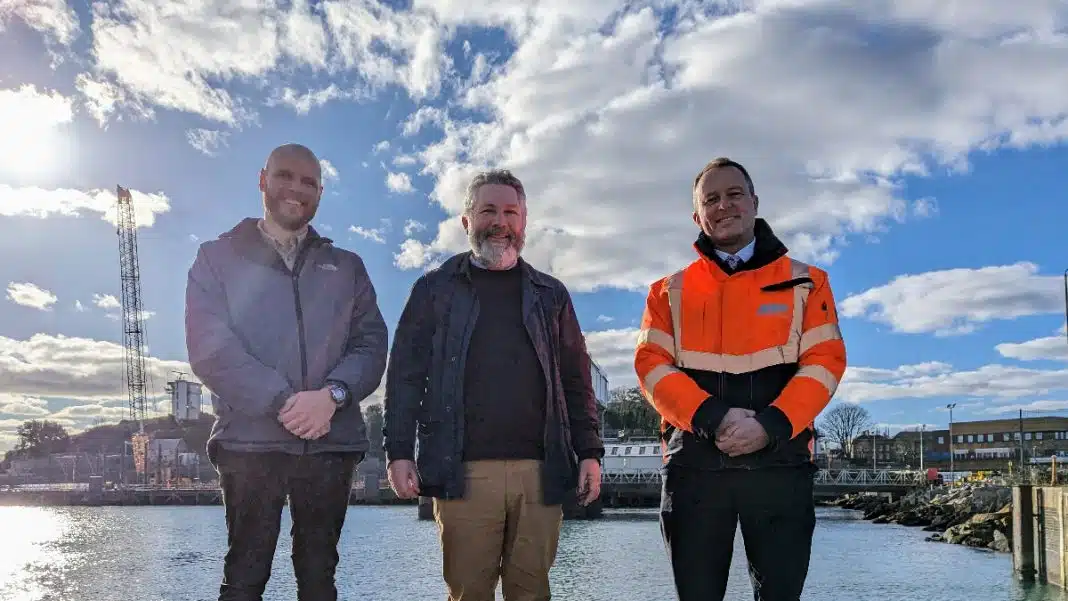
(725, 220)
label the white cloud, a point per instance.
(1052, 348)
(46, 366)
(54, 18)
(595, 105)
(412, 227)
(399, 183)
(16, 405)
(613, 350)
(605, 319)
(377, 234)
(201, 58)
(956, 301)
(107, 302)
(414, 56)
(412, 255)
(329, 171)
(207, 141)
(30, 295)
(32, 201)
(304, 102)
(1045, 406)
(933, 380)
(69, 367)
(113, 308)
(104, 98)
(79, 307)
(424, 116)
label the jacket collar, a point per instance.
(767, 249)
(248, 240)
(460, 265)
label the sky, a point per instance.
(914, 150)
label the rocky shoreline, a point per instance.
(972, 515)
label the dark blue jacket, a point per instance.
(257, 333)
(424, 380)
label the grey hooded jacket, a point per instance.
(257, 333)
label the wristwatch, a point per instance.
(339, 393)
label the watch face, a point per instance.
(337, 393)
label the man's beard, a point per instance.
(288, 217)
(496, 254)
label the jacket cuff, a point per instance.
(708, 417)
(398, 452)
(279, 401)
(590, 454)
(776, 424)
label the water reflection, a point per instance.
(174, 553)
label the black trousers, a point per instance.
(255, 487)
(700, 511)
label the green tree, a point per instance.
(38, 438)
(374, 419)
(628, 410)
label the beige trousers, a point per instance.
(498, 531)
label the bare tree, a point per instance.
(844, 423)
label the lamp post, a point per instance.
(921, 446)
(950, 407)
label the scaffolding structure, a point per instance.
(133, 329)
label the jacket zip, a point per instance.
(295, 278)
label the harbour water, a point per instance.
(174, 554)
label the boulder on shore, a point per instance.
(974, 515)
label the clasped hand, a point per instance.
(740, 433)
(307, 414)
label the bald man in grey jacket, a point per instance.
(285, 330)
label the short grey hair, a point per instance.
(501, 177)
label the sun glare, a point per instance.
(34, 122)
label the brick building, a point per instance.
(1000, 441)
(976, 445)
(907, 447)
(883, 447)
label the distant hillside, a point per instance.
(109, 438)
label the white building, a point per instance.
(632, 456)
(185, 399)
(600, 382)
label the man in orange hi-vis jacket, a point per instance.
(739, 352)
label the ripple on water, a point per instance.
(174, 553)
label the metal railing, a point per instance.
(631, 477)
(902, 478)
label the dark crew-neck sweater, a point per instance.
(504, 387)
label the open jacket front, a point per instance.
(425, 378)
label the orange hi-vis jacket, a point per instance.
(764, 337)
